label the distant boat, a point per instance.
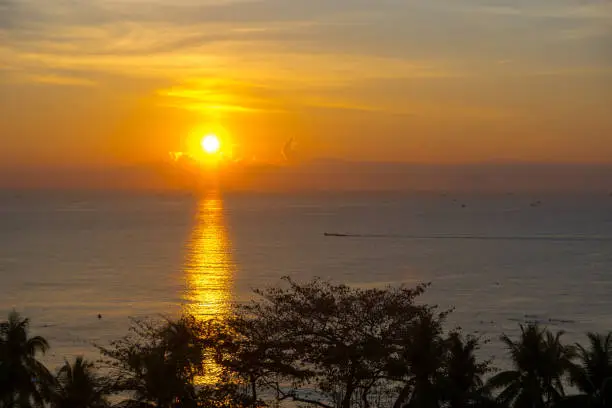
(333, 234)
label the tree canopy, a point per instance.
(314, 344)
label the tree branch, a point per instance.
(309, 401)
(285, 395)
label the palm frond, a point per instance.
(503, 379)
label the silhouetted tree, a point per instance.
(540, 364)
(462, 382)
(158, 364)
(24, 380)
(325, 345)
(593, 375)
(330, 338)
(420, 361)
(252, 353)
(596, 361)
(78, 386)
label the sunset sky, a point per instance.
(113, 83)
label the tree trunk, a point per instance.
(254, 391)
(350, 388)
(346, 401)
(364, 398)
(403, 396)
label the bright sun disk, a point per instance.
(210, 144)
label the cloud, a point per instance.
(60, 80)
(288, 150)
(354, 39)
(5, 13)
(219, 94)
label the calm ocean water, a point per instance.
(65, 257)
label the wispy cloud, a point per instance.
(446, 64)
(358, 38)
(60, 80)
(221, 94)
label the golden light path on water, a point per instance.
(209, 269)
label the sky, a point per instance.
(92, 83)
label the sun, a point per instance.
(210, 144)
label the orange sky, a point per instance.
(118, 83)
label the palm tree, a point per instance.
(421, 363)
(78, 386)
(593, 376)
(540, 363)
(24, 380)
(159, 365)
(462, 384)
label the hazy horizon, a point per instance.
(321, 175)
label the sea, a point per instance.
(81, 265)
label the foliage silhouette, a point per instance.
(462, 383)
(78, 386)
(593, 373)
(329, 338)
(316, 344)
(421, 359)
(24, 380)
(156, 364)
(540, 364)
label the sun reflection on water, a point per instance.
(209, 269)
